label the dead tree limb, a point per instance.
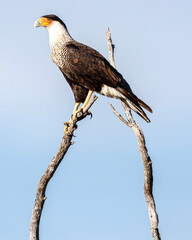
(67, 142)
(148, 171)
(40, 193)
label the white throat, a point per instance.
(58, 33)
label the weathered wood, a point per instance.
(41, 188)
(148, 171)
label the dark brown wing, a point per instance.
(89, 68)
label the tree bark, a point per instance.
(148, 171)
(41, 188)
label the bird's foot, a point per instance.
(69, 127)
(67, 124)
(66, 127)
(79, 114)
(76, 114)
(90, 113)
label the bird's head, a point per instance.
(48, 20)
(56, 28)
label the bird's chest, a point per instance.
(59, 56)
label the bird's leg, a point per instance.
(75, 108)
(87, 98)
(74, 111)
(86, 101)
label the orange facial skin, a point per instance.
(44, 21)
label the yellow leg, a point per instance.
(87, 98)
(76, 107)
(74, 110)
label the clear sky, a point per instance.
(97, 191)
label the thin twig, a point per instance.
(40, 193)
(148, 184)
(119, 115)
(111, 47)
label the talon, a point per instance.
(66, 129)
(90, 113)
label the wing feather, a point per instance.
(90, 67)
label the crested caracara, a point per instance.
(85, 69)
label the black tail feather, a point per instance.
(136, 108)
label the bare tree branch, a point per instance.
(40, 193)
(148, 171)
(119, 116)
(111, 48)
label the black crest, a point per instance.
(55, 18)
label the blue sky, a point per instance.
(97, 191)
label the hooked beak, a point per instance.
(43, 21)
(37, 23)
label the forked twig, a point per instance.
(119, 116)
(148, 184)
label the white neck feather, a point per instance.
(58, 33)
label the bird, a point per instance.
(86, 70)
